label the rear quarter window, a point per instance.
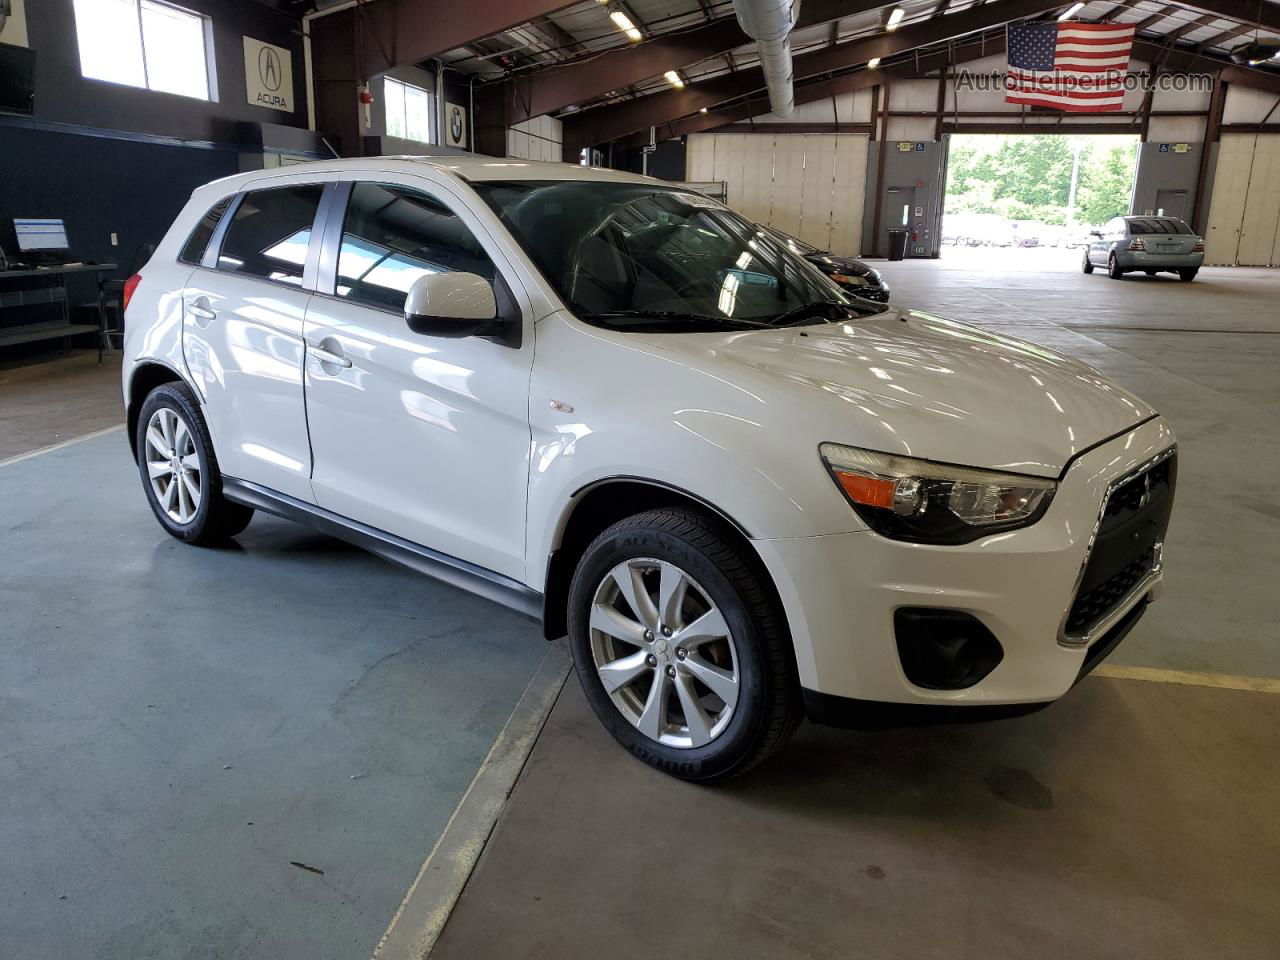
(193, 250)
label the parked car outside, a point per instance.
(1148, 244)
(856, 277)
(601, 400)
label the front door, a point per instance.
(242, 338)
(426, 438)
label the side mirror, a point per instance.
(1095, 233)
(451, 305)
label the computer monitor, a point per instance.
(40, 234)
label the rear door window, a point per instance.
(270, 232)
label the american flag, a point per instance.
(1069, 66)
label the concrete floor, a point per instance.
(161, 771)
(179, 726)
(1133, 819)
(47, 403)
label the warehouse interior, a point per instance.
(285, 746)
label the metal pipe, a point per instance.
(769, 23)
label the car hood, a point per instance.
(907, 382)
(846, 265)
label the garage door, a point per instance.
(809, 185)
(1244, 214)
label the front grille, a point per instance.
(1127, 498)
(1126, 546)
(1091, 606)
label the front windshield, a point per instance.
(640, 256)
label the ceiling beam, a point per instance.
(556, 87)
(612, 121)
(377, 35)
(808, 91)
(1176, 60)
(1251, 12)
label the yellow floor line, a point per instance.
(1220, 680)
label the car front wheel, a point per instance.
(180, 472)
(680, 647)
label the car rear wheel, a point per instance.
(1186, 276)
(680, 648)
(180, 472)
(1113, 268)
(1087, 265)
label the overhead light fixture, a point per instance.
(1260, 51)
(674, 79)
(1071, 11)
(895, 18)
(702, 109)
(623, 23)
(873, 63)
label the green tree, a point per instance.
(1106, 182)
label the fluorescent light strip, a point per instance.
(873, 63)
(1072, 11)
(623, 23)
(674, 79)
(895, 18)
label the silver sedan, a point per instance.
(1148, 244)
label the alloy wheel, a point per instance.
(173, 466)
(664, 653)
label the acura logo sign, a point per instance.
(269, 69)
(268, 75)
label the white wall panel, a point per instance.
(809, 185)
(1262, 205)
(816, 198)
(850, 176)
(1230, 189)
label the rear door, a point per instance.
(243, 311)
(423, 437)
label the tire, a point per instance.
(754, 647)
(1087, 266)
(1113, 268)
(196, 511)
(1149, 273)
(1186, 276)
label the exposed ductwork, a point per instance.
(769, 23)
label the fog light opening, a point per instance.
(944, 649)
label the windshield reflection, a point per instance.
(640, 256)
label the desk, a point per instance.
(28, 287)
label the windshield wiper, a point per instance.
(723, 323)
(807, 311)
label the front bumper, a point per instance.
(841, 592)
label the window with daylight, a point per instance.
(409, 111)
(144, 43)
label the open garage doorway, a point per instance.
(1038, 194)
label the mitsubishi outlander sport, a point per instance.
(621, 408)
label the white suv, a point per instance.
(619, 407)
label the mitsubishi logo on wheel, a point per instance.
(269, 69)
(662, 650)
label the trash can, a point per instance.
(897, 244)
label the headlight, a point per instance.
(849, 279)
(908, 499)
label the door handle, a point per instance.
(325, 355)
(201, 310)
